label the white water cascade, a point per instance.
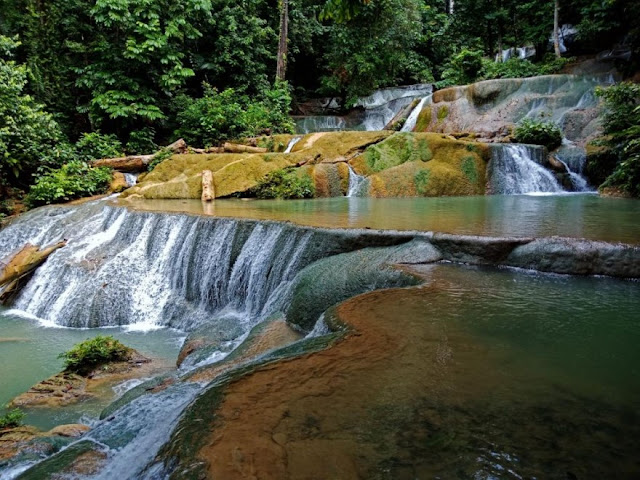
(412, 119)
(292, 143)
(513, 170)
(146, 270)
(357, 184)
(377, 110)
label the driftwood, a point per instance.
(208, 192)
(23, 263)
(235, 148)
(138, 163)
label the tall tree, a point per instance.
(281, 69)
(556, 28)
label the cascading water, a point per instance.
(357, 184)
(513, 170)
(131, 179)
(412, 119)
(377, 110)
(148, 270)
(292, 143)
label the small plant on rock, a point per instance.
(537, 132)
(91, 353)
(12, 419)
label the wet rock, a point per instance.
(577, 257)
(66, 388)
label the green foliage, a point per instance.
(464, 67)
(73, 180)
(141, 142)
(158, 158)
(91, 353)
(284, 184)
(12, 419)
(219, 116)
(519, 68)
(621, 123)
(30, 139)
(375, 49)
(92, 146)
(537, 132)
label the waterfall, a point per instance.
(412, 119)
(373, 112)
(513, 170)
(292, 144)
(357, 183)
(131, 179)
(150, 270)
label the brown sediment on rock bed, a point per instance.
(275, 335)
(336, 413)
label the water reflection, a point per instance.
(583, 216)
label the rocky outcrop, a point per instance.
(488, 109)
(66, 388)
(401, 164)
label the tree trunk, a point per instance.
(556, 27)
(234, 148)
(208, 192)
(282, 45)
(25, 261)
(138, 163)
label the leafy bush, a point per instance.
(74, 180)
(284, 184)
(219, 116)
(537, 132)
(141, 142)
(30, 139)
(95, 145)
(621, 122)
(91, 353)
(12, 419)
(519, 68)
(464, 67)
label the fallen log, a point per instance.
(235, 148)
(138, 163)
(208, 193)
(25, 261)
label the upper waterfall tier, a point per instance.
(485, 108)
(371, 113)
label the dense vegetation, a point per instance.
(96, 351)
(138, 73)
(620, 158)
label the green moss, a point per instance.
(421, 180)
(469, 169)
(396, 150)
(424, 119)
(423, 150)
(443, 112)
(471, 147)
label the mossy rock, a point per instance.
(179, 176)
(424, 164)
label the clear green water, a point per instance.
(503, 374)
(582, 216)
(28, 354)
